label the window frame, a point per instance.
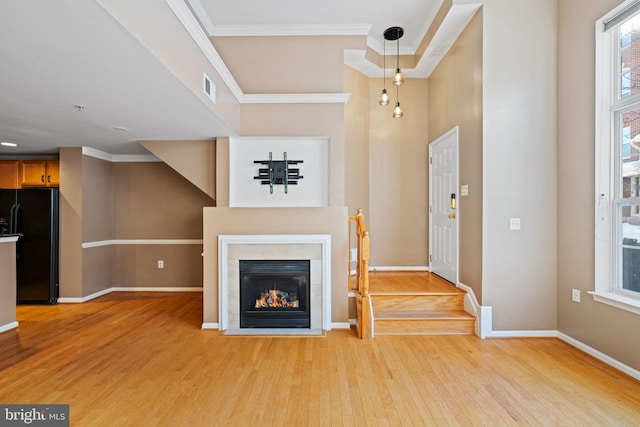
(608, 163)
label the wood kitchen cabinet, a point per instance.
(9, 174)
(39, 173)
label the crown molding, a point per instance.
(118, 158)
(296, 98)
(201, 15)
(195, 21)
(193, 27)
(291, 30)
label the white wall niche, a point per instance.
(311, 191)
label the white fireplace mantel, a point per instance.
(289, 246)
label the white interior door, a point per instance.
(443, 206)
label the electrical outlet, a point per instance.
(160, 263)
(514, 223)
(575, 295)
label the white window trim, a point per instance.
(605, 262)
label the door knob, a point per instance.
(452, 216)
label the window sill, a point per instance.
(617, 300)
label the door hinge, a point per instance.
(430, 160)
(430, 209)
(430, 258)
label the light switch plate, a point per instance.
(464, 190)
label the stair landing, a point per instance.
(407, 303)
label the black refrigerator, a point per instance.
(33, 213)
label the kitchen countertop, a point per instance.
(4, 238)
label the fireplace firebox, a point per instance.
(274, 294)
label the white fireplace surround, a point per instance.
(313, 247)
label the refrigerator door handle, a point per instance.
(15, 227)
(12, 220)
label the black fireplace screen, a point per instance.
(274, 294)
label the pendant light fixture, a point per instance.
(384, 96)
(391, 34)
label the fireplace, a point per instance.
(274, 293)
(312, 248)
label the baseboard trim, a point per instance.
(8, 327)
(210, 326)
(74, 300)
(157, 289)
(400, 268)
(523, 334)
(335, 325)
(600, 356)
(100, 243)
(473, 307)
(341, 325)
(95, 295)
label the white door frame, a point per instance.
(446, 135)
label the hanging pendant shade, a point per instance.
(384, 96)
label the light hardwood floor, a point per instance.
(141, 359)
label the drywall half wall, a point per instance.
(455, 99)
(277, 221)
(7, 283)
(610, 330)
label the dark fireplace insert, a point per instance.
(274, 294)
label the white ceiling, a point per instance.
(56, 55)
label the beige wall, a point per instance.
(71, 219)
(455, 99)
(398, 176)
(195, 160)
(519, 146)
(357, 119)
(331, 220)
(103, 201)
(325, 120)
(610, 330)
(386, 168)
(268, 65)
(286, 64)
(152, 201)
(7, 283)
(97, 224)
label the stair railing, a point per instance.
(363, 299)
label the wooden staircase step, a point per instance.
(418, 302)
(423, 322)
(421, 315)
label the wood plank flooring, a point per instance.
(141, 359)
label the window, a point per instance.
(618, 158)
